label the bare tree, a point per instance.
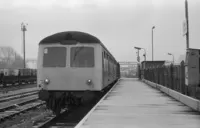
(7, 54)
(9, 58)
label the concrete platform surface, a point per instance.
(133, 104)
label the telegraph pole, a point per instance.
(139, 48)
(138, 54)
(23, 29)
(187, 24)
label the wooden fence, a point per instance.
(172, 77)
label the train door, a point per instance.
(103, 68)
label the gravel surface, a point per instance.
(25, 120)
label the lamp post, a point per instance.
(171, 55)
(152, 40)
(138, 56)
(23, 29)
(144, 52)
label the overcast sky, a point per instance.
(119, 24)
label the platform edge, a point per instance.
(90, 112)
(188, 101)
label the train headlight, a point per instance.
(46, 81)
(89, 82)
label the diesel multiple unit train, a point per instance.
(73, 67)
(19, 76)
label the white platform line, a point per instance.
(90, 112)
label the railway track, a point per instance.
(19, 109)
(69, 117)
(18, 102)
(6, 89)
(13, 103)
(17, 96)
(19, 105)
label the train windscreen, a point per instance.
(82, 57)
(54, 57)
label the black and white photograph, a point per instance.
(99, 63)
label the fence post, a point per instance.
(156, 76)
(178, 78)
(163, 71)
(175, 78)
(183, 88)
(165, 76)
(152, 74)
(163, 81)
(159, 76)
(170, 76)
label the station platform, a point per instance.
(134, 104)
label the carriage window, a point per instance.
(82, 57)
(54, 57)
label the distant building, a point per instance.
(128, 69)
(150, 64)
(31, 63)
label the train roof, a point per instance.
(80, 37)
